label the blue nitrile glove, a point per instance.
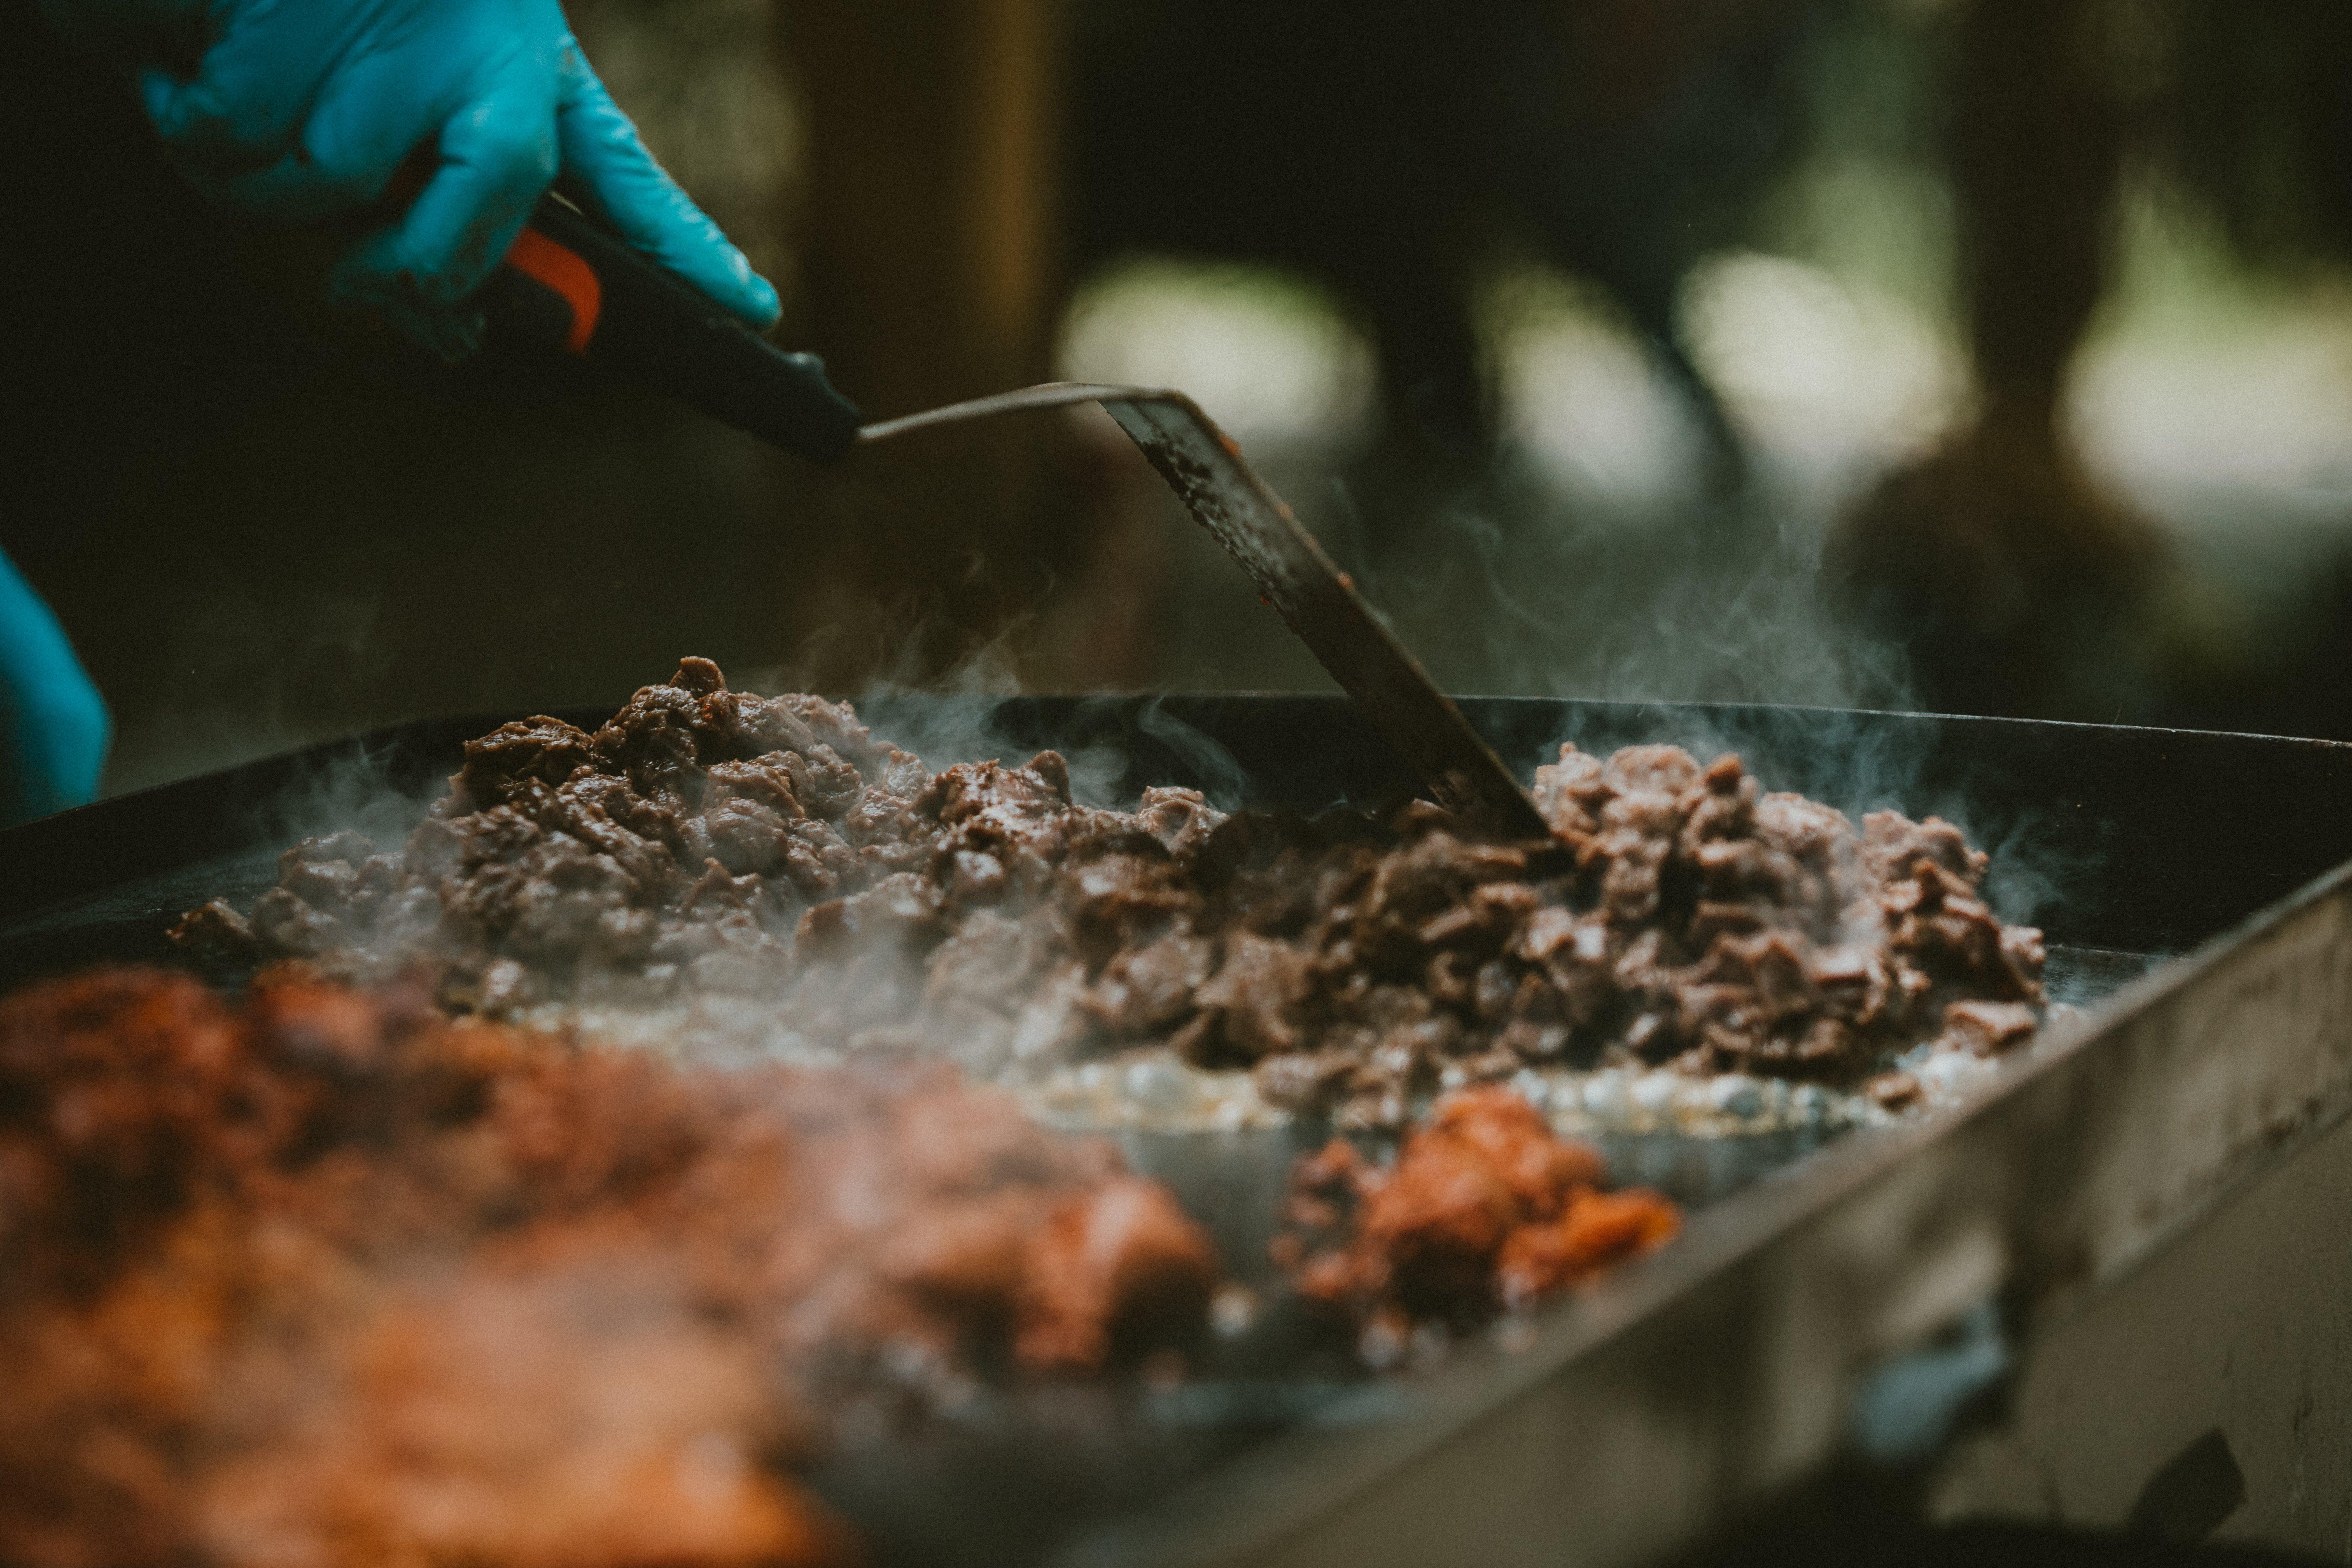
(303, 109)
(53, 723)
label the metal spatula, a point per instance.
(569, 283)
(1206, 470)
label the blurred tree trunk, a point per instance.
(932, 272)
(932, 200)
(2037, 147)
(2012, 579)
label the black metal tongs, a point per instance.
(568, 283)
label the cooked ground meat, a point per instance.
(710, 842)
(328, 1278)
(1484, 1210)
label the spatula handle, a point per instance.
(568, 283)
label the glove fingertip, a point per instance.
(724, 275)
(159, 95)
(155, 87)
(694, 247)
(759, 304)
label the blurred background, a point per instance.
(1970, 355)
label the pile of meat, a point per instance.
(710, 842)
(1485, 1211)
(326, 1279)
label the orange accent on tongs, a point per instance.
(561, 270)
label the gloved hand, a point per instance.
(304, 110)
(53, 723)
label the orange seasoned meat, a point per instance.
(324, 1278)
(1484, 1209)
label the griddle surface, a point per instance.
(2100, 828)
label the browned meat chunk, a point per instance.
(1987, 1028)
(214, 932)
(547, 750)
(1252, 1004)
(1149, 987)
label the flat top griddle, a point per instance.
(2125, 845)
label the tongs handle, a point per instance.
(568, 284)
